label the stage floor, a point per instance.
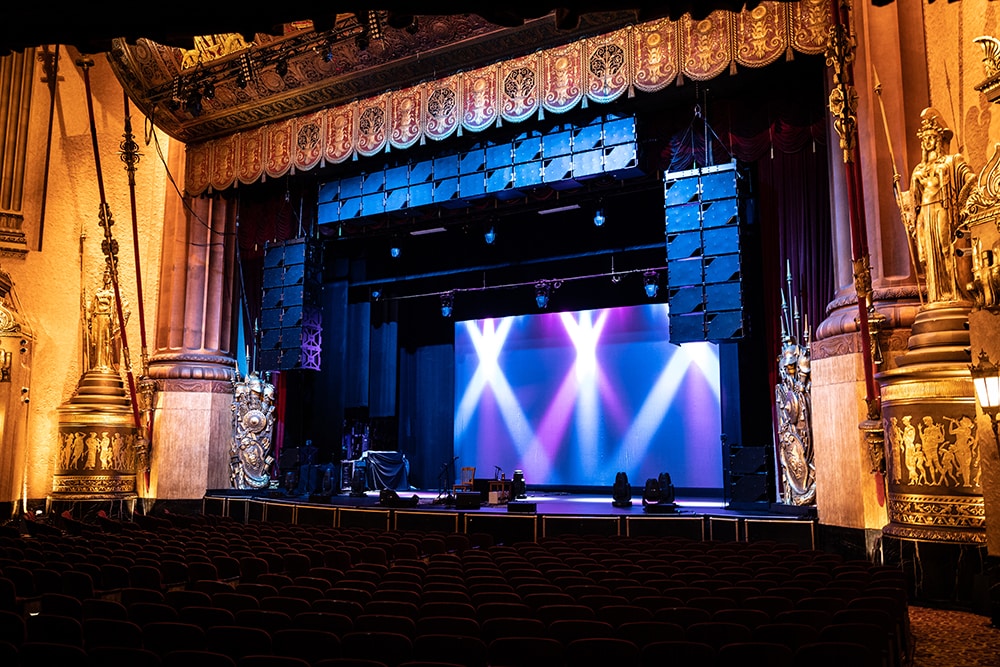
(538, 515)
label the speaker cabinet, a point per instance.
(291, 321)
(522, 508)
(468, 500)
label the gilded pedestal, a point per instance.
(97, 441)
(931, 446)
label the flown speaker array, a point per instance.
(704, 209)
(291, 322)
(559, 158)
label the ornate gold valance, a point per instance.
(647, 57)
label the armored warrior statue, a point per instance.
(794, 405)
(253, 422)
(931, 209)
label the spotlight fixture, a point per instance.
(395, 251)
(281, 67)
(376, 294)
(245, 73)
(599, 217)
(374, 27)
(490, 235)
(208, 90)
(542, 292)
(447, 304)
(651, 283)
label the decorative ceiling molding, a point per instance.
(194, 95)
(646, 57)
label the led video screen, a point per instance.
(572, 398)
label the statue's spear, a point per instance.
(896, 178)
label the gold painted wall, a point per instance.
(65, 256)
(954, 67)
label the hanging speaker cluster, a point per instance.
(704, 209)
(291, 322)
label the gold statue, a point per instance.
(103, 333)
(939, 185)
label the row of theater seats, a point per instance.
(216, 592)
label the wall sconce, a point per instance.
(987, 383)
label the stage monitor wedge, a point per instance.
(704, 210)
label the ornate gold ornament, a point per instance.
(793, 398)
(981, 216)
(843, 97)
(250, 458)
(212, 47)
(990, 86)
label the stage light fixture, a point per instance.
(447, 304)
(193, 103)
(542, 292)
(599, 217)
(208, 90)
(490, 235)
(376, 294)
(245, 73)
(281, 67)
(395, 251)
(651, 283)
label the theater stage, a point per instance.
(540, 514)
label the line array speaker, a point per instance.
(704, 209)
(291, 322)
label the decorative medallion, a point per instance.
(705, 48)
(519, 88)
(340, 133)
(562, 74)
(224, 161)
(442, 115)
(251, 165)
(405, 120)
(278, 148)
(607, 66)
(760, 34)
(197, 174)
(309, 132)
(372, 131)
(809, 22)
(655, 55)
(479, 93)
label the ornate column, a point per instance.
(16, 78)
(16, 343)
(193, 360)
(848, 494)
